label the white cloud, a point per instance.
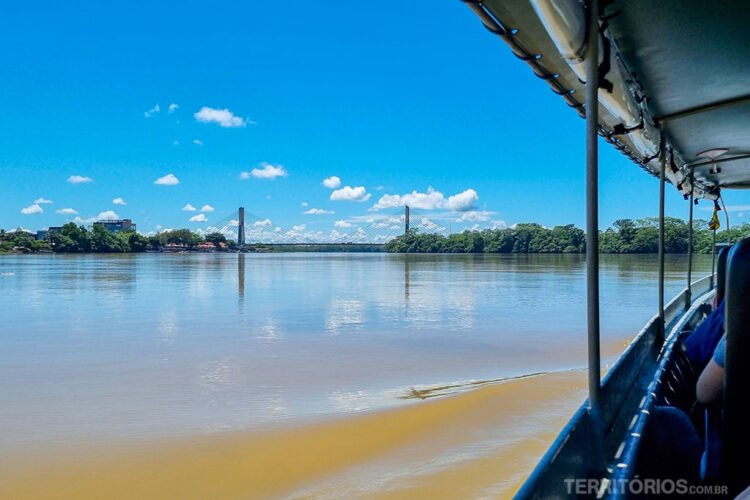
(318, 211)
(67, 211)
(199, 218)
(429, 200)
(197, 142)
(462, 201)
(167, 180)
(152, 111)
(107, 215)
(301, 227)
(342, 223)
(268, 171)
(304, 204)
(79, 179)
(207, 209)
(32, 209)
(730, 208)
(189, 208)
(475, 216)
(332, 182)
(263, 223)
(348, 193)
(119, 201)
(173, 107)
(42, 201)
(223, 117)
(244, 176)
(499, 224)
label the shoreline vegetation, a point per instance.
(626, 236)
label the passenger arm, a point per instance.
(711, 383)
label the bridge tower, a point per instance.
(406, 219)
(241, 229)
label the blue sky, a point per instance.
(391, 100)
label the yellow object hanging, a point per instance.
(714, 223)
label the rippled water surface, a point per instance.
(158, 345)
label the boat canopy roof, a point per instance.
(674, 86)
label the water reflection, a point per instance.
(407, 280)
(168, 343)
(241, 276)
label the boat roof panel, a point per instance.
(686, 54)
(690, 59)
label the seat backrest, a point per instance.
(736, 419)
(721, 273)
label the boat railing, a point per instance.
(586, 445)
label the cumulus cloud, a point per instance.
(107, 215)
(475, 216)
(223, 117)
(67, 211)
(79, 179)
(207, 209)
(267, 171)
(429, 200)
(189, 208)
(263, 223)
(199, 218)
(332, 182)
(244, 176)
(119, 201)
(318, 211)
(298, 228)
(32, 209)
(197, 142)
(42, 201)
(173, 107)
(304, 204)
(342, 223)
(348, 193)
(462, 201)
(167, 180)
(152, 111)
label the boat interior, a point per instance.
(667, 84)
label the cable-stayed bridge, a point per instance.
(377, 229)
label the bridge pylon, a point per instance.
(241, 228)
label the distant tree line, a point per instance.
(72, 238)
(625, 236)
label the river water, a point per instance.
(144, 347)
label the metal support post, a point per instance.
(592, 204)
(689, 298)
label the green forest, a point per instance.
(625, 236)
(72, 238)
